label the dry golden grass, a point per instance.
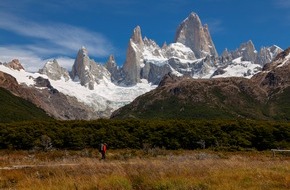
(130, 169)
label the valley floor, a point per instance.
(140, 169)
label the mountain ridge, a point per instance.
(97, 90)
(264, 96)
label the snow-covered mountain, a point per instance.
(105, 88)
(102, 100)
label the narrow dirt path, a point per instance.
(15, 167)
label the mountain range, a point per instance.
(265, 96)
(93, 90)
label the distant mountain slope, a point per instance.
(181, 97)
(265, 96)
(92, 90)
(14, 108)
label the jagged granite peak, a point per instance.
(281, 61)
(131, 67)
(137, 36)
(248, 51)
(15, 64)
(164, 45)
(111, 63)
(54, 71)
(151, 49)
(87, 70)
(113, 68)
(267, 54)
(192, 34)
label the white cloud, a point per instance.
(58, 36)
(215, 25)
(49, 41)
(29, 60)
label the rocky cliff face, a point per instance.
(104, 88)
(146, 60)
(15, 64)
(133, 61)
(248, 52)
(115, 71)
(264, 96)
(45, 96)
(192, 34)
(267, 54)
(54, 71)
(193, 54)
(87, 71)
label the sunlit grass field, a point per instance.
(144, 169)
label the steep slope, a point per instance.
(53, 71)
(66, 99)
(275, 80)
(265, 96)
(87, 71)
(92, 90)
(41, 93)
(184, 97)
(192, 34)
(14, 109)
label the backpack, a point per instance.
(101, 146)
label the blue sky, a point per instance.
(35, 31)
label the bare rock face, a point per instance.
(15, 64)
(54, 71)
(192, 34)
(88, 71)
(154, 73)
(267, 54)
(132, 64)
(114, 70)
(248, 52)
(49, 99)
(275, 76)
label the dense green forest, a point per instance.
(135, 134)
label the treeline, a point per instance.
(135, 134)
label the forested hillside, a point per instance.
(14, 109)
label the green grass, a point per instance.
(14, 109)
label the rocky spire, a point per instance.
(192, 34)
(54, 71)
(131, 66)
(15, 64)
(248, 51)
(112, 67)
(111, 63)
(137, 36)
(87, 70)
(267, 54)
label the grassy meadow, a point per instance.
(144, 169)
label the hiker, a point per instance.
(103, 149)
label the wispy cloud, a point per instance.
(30, 61)
(59, 36)
(282, 3)
(215, 25)
(49, 40)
